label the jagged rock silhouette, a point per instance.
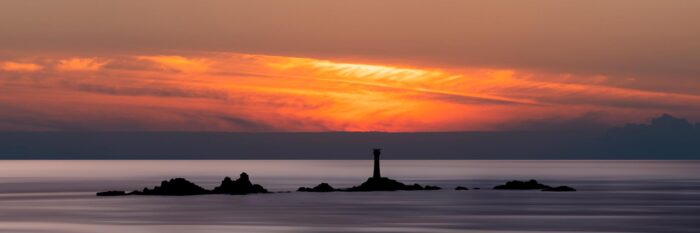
(323, 187)
(379, 183)
(532, 185)
(240, 186)
(374, 183)
(183, 187)
(243, 185)
(522, 185)
(173, 187)
(384, 184)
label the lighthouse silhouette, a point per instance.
(377, 173)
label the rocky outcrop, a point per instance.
(183, 187)
(173, 187)
(560, 189)
(240, 186)
(323, 187)
(386, 184)
(459, 188)
(372, 184)
(533, 185)
(522, 185)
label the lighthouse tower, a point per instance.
(377, 173)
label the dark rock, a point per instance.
(476, 188)
(383, 184)
(323, 187)
(522, 185)
(560, 189)
(182, 187)
(240, 186)
(111, 193)
(173, 187)
(461, 188)
(430, 187)
(386, 184)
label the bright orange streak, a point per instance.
(409, 79)
(246, 92)
(20, 67)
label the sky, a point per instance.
(361, 65)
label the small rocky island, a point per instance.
(386, 184)
(183, 187)
(374, 183)
(173, 187)
(532, 185)
(323, 187)
(242, 185)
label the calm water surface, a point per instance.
(613, 196)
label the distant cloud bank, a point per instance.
(666, 137)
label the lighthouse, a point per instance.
(377, 173)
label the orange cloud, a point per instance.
(249, 92)
(178, 63)
(81, 64)
(20, 67)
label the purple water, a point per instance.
(613, 196)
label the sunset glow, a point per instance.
(288, 116)
(19, 67)
(251, 92)
(316, 65)
(80, 64)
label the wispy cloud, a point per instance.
(20, 66)
(81, 64)
(154, 89)
(250, 92)
(178, 63)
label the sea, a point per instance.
(58, 196)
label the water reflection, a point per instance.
(615, 196)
